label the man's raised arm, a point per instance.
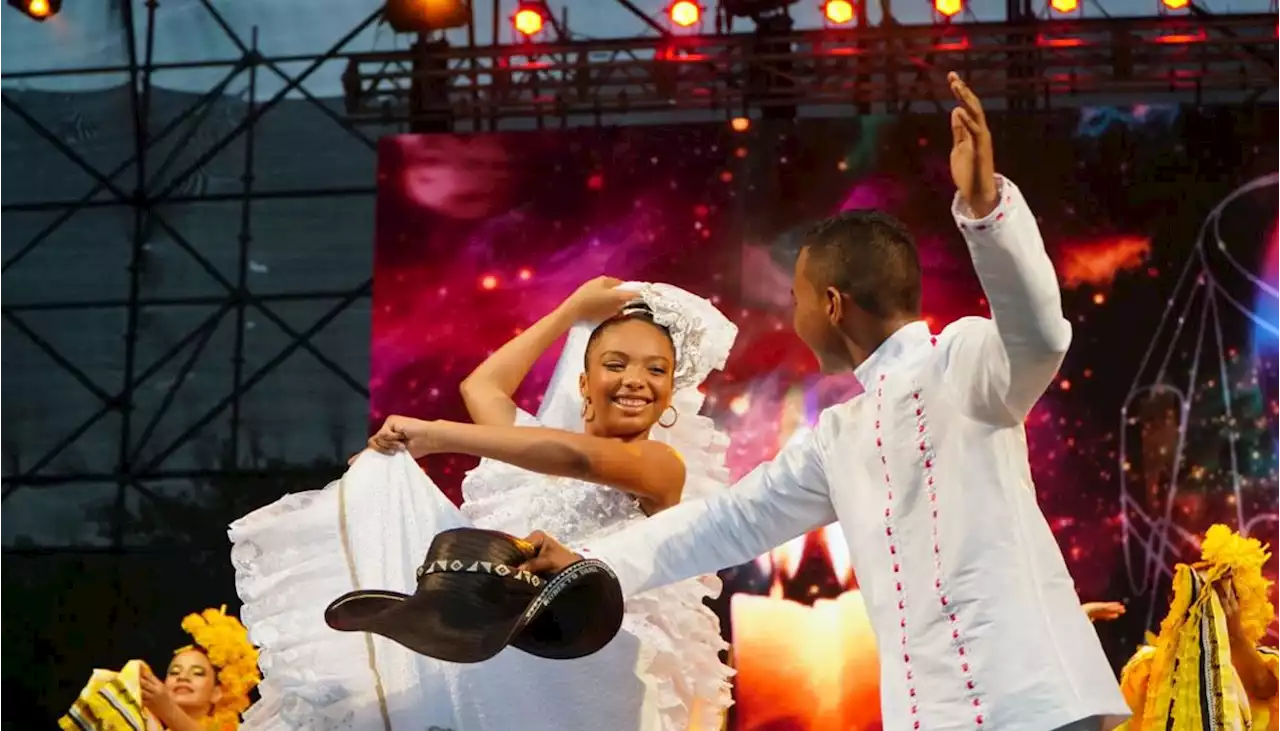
(1001, 367)
(778, 501)
(998, 368)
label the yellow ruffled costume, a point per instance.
(112, 701)
(1183, 679)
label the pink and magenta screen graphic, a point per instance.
(1165, 252)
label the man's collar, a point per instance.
(882, 358)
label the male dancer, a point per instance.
(977, 619)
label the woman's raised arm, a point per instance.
(488, 392)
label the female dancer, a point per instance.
(591, 462)
(1208, 669)
(205, 688)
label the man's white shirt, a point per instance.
(976, 617)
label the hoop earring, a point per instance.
(675, 416)
(586, 404)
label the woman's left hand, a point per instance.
(1231, 610)
(156, 697)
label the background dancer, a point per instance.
(1210, 646)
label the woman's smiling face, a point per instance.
(192, 681)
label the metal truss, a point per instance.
(142, 184)
(890, 69)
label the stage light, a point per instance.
(948, 8)
(423, 16)
(1175, 4)
(529, 19)
(40, 10)
(838, 12)
(1064, 6)
(740, 124)
(685, 13)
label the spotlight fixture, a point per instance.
(424, 16)
(838, 12)
(685, 13)
(39, 10)
(948, 8)
(530, 18)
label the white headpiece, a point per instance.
(703, 337)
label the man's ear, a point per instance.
(834, 304)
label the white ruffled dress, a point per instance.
(371, 529)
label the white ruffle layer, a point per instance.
(371, 529)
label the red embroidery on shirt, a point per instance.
(929, 457)
(903, 637)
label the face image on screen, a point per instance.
(1161, 421)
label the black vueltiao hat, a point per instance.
(472, 601)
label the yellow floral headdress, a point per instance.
(226, 642)
(1226, 554)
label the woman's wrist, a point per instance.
(1240, 646)
(167, 714)
(441, 436)
(566, 315)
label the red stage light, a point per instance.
(948, 8)
(1064, 6)
(838, 12)
(685, 13)
(528, 20)
(40, 10)
(425, 16)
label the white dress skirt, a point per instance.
(371, 530)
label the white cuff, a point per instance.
(1009, 197)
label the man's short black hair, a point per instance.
(869, 256)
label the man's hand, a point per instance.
(1102, 611)
(973, 166)
(550, 556)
